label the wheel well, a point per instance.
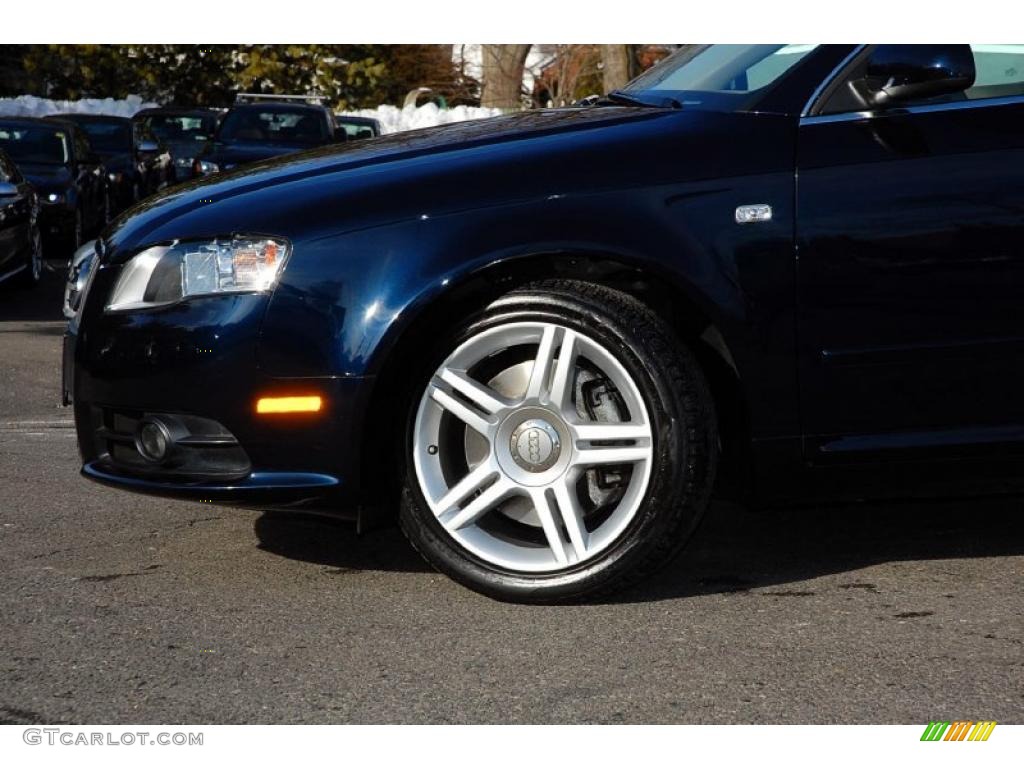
(392, 392)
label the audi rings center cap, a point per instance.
(535, 445)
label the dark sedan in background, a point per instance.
(71, 179)
(21, 252)
(261, 127)
(185, 132)
(137, 164)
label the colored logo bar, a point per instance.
(958, 730)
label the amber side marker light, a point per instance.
(308, 404)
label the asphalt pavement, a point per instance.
(117, 608)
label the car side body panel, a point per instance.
(380, 234)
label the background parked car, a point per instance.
(358, 127)
(21, 252)
(70, 178)
(260, 127)
(185, 132)
(137, 163)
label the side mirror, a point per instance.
(897, 74)
(148, 147)
(8, 190)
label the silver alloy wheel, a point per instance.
(541, 464)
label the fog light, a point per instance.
(153, 440)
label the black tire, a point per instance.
(682, 415)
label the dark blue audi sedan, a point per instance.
(542, 341)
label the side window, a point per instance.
(82, 146)
(143, 133)
(1000, 71)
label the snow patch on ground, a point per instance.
(33, 106)
(392, 119)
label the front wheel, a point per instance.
(561, 445)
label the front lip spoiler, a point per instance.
(259, 489)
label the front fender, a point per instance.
(345, 301)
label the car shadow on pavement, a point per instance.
(741, 550)
(735, 550)
(335, 543)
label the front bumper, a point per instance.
(200, 359)
(279, 490)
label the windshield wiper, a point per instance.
(628, 99)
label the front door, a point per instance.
(910, 237)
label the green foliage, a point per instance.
(348, 76)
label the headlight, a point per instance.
(115, 178)
(166, 274)
(204, 166)
(78, 278)
(183, 162)
(55, 197)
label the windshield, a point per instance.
(355, 130)
(719, 76)
(174, 128)
(35, 144)
(285, 126)
(108, 137)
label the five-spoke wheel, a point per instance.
(537, 438)
(526, 443)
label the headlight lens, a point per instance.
(205, 166)
(183, 162)
(166, 274)
(55, 197)
(115, 177)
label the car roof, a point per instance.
(185, 111)
(89, 118)
(44, 121)
(289, 106)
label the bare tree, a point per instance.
(565, 74)
(503, 75)
(618, 66)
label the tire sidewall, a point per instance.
(666, 485)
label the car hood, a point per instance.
(47, 178)
(229, 155)
(362, 184)
(184, 147)
(117, 162)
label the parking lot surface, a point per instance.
(126, 609)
